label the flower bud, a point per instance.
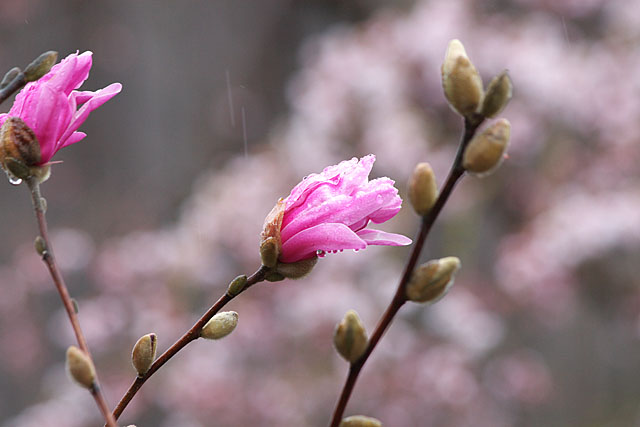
(350, 337)
(460, 79)
(237, 285)
(40, 66)
(423, 190)
(19, 148)
(40, 245)
(144, 353)
(486, 150)
(360, 421)
(270, 241)
(296, 270)
(220, 325)
(431, 281)
(80, 367)
(497, 96)
(8, 78)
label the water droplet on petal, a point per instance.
(321, 254)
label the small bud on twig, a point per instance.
(360, 421)
(460, 80)
(40, 245)
(237, 285)
(8, 78)
(350, 337)
(80, 367)
(220, 325)
(144, 353)
(40, 66)
(431, 281)
(485, 152)
(497, 96)
(423, 190)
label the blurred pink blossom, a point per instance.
(49, 106)
(328, 212)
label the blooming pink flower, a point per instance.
(328, 212)
(49, 106)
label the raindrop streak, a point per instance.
(244, 133)
(566, 33)
(230, 100)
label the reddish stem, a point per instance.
(191, 335)
(50, 261)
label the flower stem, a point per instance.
(50, 261)
(455, 173)
(189, 336)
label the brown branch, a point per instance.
(455, 173)
(50, 261)
(189, 336)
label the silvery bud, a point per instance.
(423, 190)
(460, 79)
(431, 281)
(360, 421)
(80, 368)
(497, 96)
(144, 353)
(220, 325)
(350, 337)
(486, 151)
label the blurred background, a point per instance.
(225, 106)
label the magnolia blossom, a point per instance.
(49, 106)
(328, 212)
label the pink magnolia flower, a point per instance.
(328, 212)
(49, 106)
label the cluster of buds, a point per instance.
(465, 93)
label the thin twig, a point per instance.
(50, 261)
(189, 336)
(455, 173)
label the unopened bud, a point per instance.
(220, 325)
(497, 95)
(237, 285)
(19, 148)
(350, 337)
(8, 78)
(423, 190)
(431, 281)
(360, 421)
(486, 150)
(298, 269)
(144, 353)
(40, 66)
(40, 245)
(460, 79)
(269, 252)
(80, 367)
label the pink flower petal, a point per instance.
(378, 237)
(322, 237)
